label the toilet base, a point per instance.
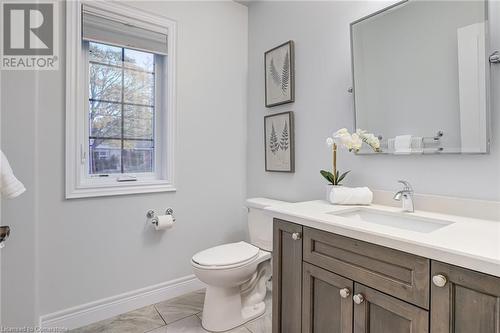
(223, 309)
(228, 307)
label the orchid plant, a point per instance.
(351, 142)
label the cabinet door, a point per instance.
(464, 301)
(287, 277)
(326, 302)
(375, 312)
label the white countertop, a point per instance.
(466, 242)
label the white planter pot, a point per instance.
(329, 189)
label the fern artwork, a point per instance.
(279, 74)
(279, 148)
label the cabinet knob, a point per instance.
(345, 292)
(358, 298)
(296, 236)
(439, 280)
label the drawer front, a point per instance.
(396, 273)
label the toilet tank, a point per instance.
(260, 225)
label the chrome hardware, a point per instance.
(358, 298)
(4, 235)
(439, 280)
(405, 196)
(495, 57)
(151, 214)
(350, 90)
(345, 292)
(296, 236)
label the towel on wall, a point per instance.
(10, 186)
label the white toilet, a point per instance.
(236, 274)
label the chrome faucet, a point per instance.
(405, 196)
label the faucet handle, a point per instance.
(406, 184)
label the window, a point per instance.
(120, 101)
(121, 110)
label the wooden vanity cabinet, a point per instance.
(287, 277)
(464, 301)
(327, 305)
(376, 312)
(327, 283)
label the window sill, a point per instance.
(102, 190)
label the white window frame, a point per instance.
(79, 183)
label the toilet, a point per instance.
(236, 274)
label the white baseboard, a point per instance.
(92, 312)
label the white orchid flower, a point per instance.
(329, 141)
(356, 142)
(343, 137)
(369, 138)
(341, 132)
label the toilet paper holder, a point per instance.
(151, 214)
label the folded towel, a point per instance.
(9, 185)
(341, 195)
(390, 145)
(417, 145)
(402, 144)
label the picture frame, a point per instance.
(279, 74)
(279, 142)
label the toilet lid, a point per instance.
(227, 254)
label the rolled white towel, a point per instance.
(341, 195)
(402, 144)
(10, 186)
(417, 145)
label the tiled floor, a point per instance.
(179, 315)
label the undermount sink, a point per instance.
(393, 219)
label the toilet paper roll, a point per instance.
(163, 222)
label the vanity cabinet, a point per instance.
(326, 301)
(287, 277)
(376, 312)
(327, 283)
(464, 301)
(396, 273)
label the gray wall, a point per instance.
(322, 61)
(89, 249)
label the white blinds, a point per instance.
(107, 30)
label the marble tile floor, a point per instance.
(179, 315)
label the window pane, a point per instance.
(139, 60)
(105, 156)
(105, 119)
(138, 156)
(138, 122)
(105, 53)
(139, 87)
(105, 83)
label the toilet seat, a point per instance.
(226, 256)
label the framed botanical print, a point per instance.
(279, 74)
(279, 142)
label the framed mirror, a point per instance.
(421, 77)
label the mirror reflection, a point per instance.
(421, 77)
